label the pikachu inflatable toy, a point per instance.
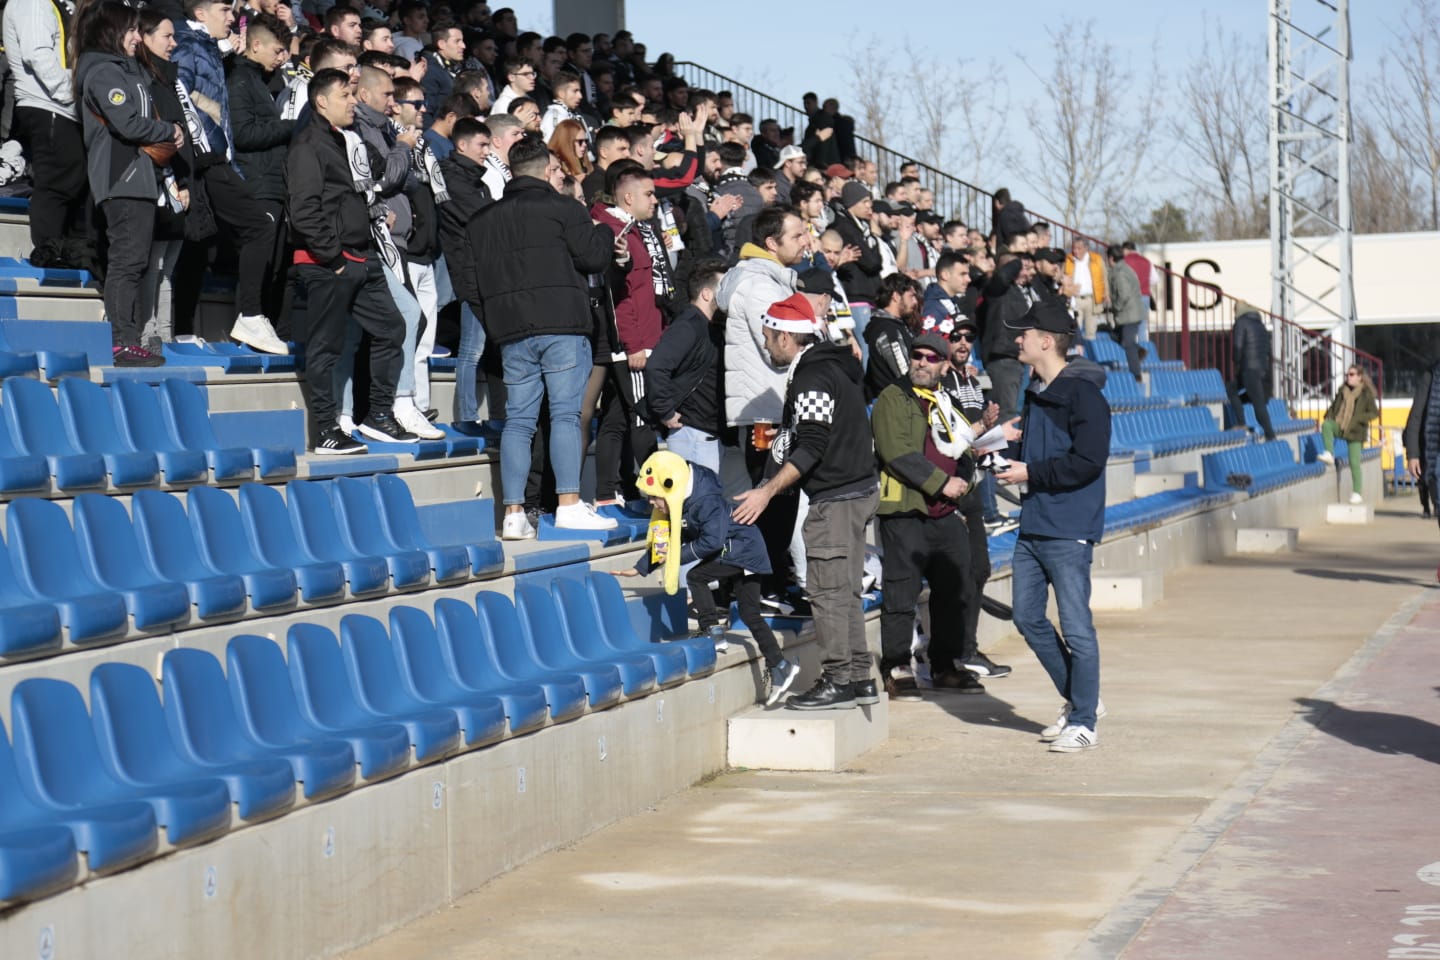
(666, 475)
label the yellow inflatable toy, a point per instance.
(666, 475)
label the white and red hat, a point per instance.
(792, 315)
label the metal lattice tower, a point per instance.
(1311, 228)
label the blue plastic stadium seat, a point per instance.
(465, 523)
(426, 674)
(1269, 466)
(188, 415)
(355, 509)
(27, 625)
(545, 638)
(144, 425)
(90, 421)
(453, 649)
(220, 534)
(93, 420)
(113, 558)
(396, 511)
(496, 628)
(209, 355)
(619, 632)
(384, 685)
(31, 853)
(37, 430)
(317, 529)
(47, 558)
(205, 728)
(59, 764)
(130, 729)
(265, 702)
(272, 537)
(169, 541)
(327, 701)
(19, 471)
(245, 357)
(587, 635)
(18, 365)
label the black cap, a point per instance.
(929, 216)
(815, 280)
(930, 340)
(1050, 255)
(883, 206)
(1046, 317)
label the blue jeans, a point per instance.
(695, 446)
(861, 313)
(556, 366)
(1073, 661)
(467, 365)
(409, 309)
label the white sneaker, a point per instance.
(1356, 499)
(1074, 739)
(1063, 721)
(255, 331)
(516, 526)
(1325, 456)
(414, 421)
(581, 516)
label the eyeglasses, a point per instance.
(411, 103)
(581, 142)
(967, 337)
(925, 356)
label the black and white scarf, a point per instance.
(296, 93)
(423, 162)
(365, 184)
(660, 275)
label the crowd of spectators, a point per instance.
(600, 244)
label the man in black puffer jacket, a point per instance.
(825, 446)
(464, 172)
(1006, 301)
(1251, 370)
(532, 250)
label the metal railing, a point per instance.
(954, 198)
(1191, 320)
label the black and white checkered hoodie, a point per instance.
(826, 429)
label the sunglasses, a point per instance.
(411, 103)
(925, 356)
(967, 337)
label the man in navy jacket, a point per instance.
(1062, 449)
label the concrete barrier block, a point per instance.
(1147, 484)
(780, 739)
(1266, 539)
(1349, 513)
(1136, 591)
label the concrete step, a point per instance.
(1266, 539)
(1135, 591)
(780, 739)
(1147, 484)
(1349, 513)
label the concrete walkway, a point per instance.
(964, 836)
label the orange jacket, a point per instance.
(1097, 274)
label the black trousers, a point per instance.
(777, 523)
(1128, 337)
(974, 517)
(1255, 383)
(254, 227)
(614, 472)
(359, 292)
(746, 587)
(919, 549)
(57, 165)
(130, 225)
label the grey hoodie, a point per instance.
(118, 116)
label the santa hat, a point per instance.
(792, 315)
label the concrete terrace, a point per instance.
(1265, 786)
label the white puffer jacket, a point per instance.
(754, 387)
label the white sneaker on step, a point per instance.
(1325, 456)
(414, 421)
(581, 516)
(1356, 499)
(516, 526)
(255, 331)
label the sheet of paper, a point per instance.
(992, 440)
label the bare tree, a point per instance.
(877, 90)
(1407, 99)
(1383, 194)
(1094, 130)
(1220, 132)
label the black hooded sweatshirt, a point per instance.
(826, 431)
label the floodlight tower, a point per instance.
(1311, 227)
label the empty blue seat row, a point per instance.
(1144, 512)
(1188, 386)
(1280, 418)
(1171, 430)
(231, 357)
(1123, 393)
(1105, 351)
(1268, 466)
(215, 554)
(374, 700)
(1311, 445)
(129, 435)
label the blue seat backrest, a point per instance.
(198, 710)
(317, 671)
(315, 522)
(259, 681)
(417, 646)
(129, 723)
(166, 538)
(34, 419)
(500, 625)
(140, 417)
(90, 417)
(269, 526)
(219, 531)
(540, 619)
(55, 743)
(356, 507)
(43, 544)
(466, 652)
(187, 414)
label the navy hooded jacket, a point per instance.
(708, 533)
(1065, 446)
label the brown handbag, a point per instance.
(161, 153)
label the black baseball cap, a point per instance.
(815, 280)
(1045, 317)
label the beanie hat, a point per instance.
(792, 315)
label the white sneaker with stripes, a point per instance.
(1074, 739)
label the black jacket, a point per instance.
(682, 373)
(889, 341)
(1004, 304)
(465, 182)
(826, 433)
(438, 81)
(328, 217)
(860, 278)
(1010, 222)
(261, 137)
(1251, 343)
(423, 247)
(531, 250)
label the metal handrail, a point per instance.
(1308, 365)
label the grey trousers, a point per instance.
(835, 559)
